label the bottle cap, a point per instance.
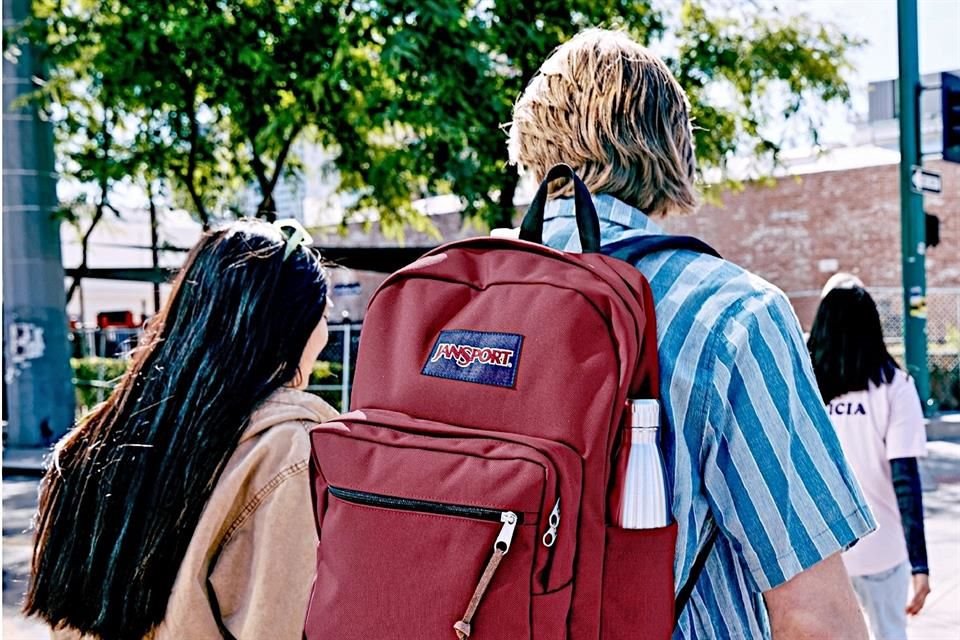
(644, 413)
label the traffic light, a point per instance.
(932, 229)
(950, 90)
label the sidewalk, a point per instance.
(940, 619)
(944, 427)
(24, 462)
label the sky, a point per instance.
(876, 20)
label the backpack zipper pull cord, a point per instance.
(500, 549)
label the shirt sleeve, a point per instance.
(906, 435)
(778, 484)
(262, 579)
(906, 484)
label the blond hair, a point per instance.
(611, 109)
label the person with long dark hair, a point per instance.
(180, 507)
(876, 411)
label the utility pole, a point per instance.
(912, 221)
(39, 396)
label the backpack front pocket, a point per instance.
(419, 533)
(638, 557)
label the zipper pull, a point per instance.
(550, 536)
(509, 520)
(500, 548)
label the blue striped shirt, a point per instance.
(752, 448)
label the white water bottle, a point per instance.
(641, 493)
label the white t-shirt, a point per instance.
(876, 426)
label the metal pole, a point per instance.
(154, 247)
(345, 390)
(39, 396)
(913, 239)
(83, 303)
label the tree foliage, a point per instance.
(202, 98)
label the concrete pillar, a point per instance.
(38, 394)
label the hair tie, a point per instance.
(296, 236)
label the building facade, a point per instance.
(800, 231)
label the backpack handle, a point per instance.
(531, 229)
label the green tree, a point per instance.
(749, 71)
(212, 95)
(206, 97)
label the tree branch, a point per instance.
(503, 216)
(102, 205)
(267, 209)
(84, 246)
(259, 169)
(282, 156)
(193, 140)
(116, 212)
(508, 189)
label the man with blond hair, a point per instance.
(751, 451)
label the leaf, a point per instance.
(410, 97)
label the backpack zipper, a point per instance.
(501, 545)
(549, 537)
(551, 534)
(427, 506)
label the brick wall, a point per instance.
(852, 217)
(791, 233)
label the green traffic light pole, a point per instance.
(913, 241)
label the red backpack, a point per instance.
(467, 493)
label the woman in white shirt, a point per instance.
(875, 408)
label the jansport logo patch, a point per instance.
(465, 355)
(481, 357)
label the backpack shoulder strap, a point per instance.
(631, 250)
(683, 597)
(636, 247)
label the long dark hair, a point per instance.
(846, 344)
(127, 486)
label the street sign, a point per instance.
(924, 181)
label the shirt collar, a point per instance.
(609, 209)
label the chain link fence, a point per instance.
(943, 337)
(943, 347)
(943, 334)
(341, 350)
(99, 359)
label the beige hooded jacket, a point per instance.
(249, 568)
